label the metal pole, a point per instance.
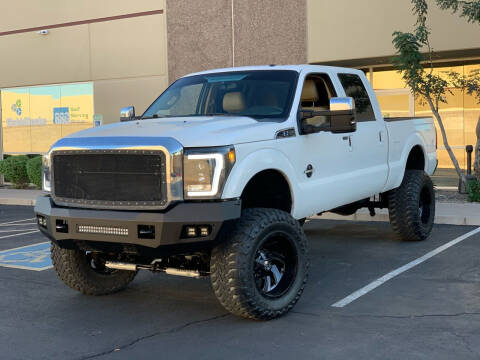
(469, 149)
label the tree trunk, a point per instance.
(460, 172)
(476, 164)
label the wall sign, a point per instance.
(33, 118)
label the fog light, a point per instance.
(204, 230)
(191, 231)
(42, 221)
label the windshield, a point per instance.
(258, 94)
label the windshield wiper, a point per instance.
(222, 114)
(156, 116)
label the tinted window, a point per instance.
(354, 88)
(258, 94)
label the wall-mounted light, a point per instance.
(43, 32)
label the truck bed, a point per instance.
(403, 134)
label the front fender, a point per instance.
(250, 163)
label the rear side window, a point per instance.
(353, 86)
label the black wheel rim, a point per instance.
(275, 265)
(425, 205)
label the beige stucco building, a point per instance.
(97, 56)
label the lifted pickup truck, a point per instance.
(218, 175)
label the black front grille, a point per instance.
(109, 178)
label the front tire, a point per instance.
(411, 207)
(82, 272)
(260, 267)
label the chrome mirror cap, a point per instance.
(342, 104)
(127, 113)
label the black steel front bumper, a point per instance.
(66, 224)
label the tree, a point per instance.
(471, 11)
(417, 70)
(468, 9)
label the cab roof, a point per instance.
(297, 68)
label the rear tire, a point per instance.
(411, 207)
(260, 267)
(81, 272)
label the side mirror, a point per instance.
(339, 119)
(127, 113)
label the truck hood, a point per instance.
(191, 131)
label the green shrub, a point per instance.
(14, 168)
(34, 170)
(473, 190)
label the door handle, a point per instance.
(349, 139)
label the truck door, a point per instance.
(369, 144)
(323, 159)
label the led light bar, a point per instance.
(105, 230)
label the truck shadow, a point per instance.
(349, 230)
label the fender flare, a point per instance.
(413, 140)
(254, 163)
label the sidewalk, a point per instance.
(446, 178)
(19, 197)
(446, 213)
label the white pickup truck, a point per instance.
(218, 175)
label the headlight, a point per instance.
(46, 172)
(206, 170)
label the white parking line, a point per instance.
(15, 230)
(24, 224)
(373, 285)
(16, 221)
(24, 233)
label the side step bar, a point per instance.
(115, 265)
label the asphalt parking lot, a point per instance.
(430, 311)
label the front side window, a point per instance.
(353, 86)
(316, 93)
(257, 94)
